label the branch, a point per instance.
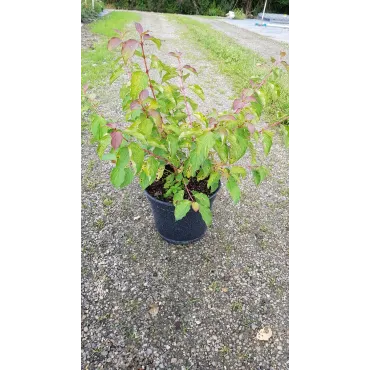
(146, 66)
(183, 91)
(192, 199)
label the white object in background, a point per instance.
(264, 8)
(230, 15)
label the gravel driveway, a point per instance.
(148, 304)
(262, 45)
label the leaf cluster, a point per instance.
(163, 127)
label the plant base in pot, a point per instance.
(185, 231)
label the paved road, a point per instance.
(279, 32)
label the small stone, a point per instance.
(167, 346)
(104, 353)
(254, 326)
(149, 351)
(173, 360)
(208, 349)
(161, 366)
(86, 329)
(280, 348)
(197, 322)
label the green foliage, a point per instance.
(88, 13)
(205, 7)
(164, 137)
(240, 65)
(239, 14)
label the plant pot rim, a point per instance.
(169, 204)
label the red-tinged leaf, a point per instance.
(114, 42)
(249, 117)
(112, 125)
(122, 34)
(282, 54)
(253, 84)
(128, 48)
(212, 121)
(146, 36)
(116, 139)
(85, 87)
(250, 98)
(238, 104)
(246, 92)
(144, 94)
(175, 54)
(135, 105)
(156, 117)
(227, 117)
(251, 128)
(190, 68)
(139, 28)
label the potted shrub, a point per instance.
(179, 154)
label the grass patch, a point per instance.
(234, 61)
(97, 63)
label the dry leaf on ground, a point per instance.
(153, 310)
(264, 334)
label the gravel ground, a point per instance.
(148, 304)
(262, 45)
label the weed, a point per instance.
(107, 202)
(215, 287)
(99, 224)
(236, 306)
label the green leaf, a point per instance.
(222, 151)
(117, 73)
(205, 170)
(233, 188)
(213, 181)
(168, 75)
(125, 90)
(198, 90)
(124, 157)
(202, 199)
(238, 171)
(193, 104)
(285, 131)
(267, 141)
(156, 41)
(129, 176)
(206, 214)
(259, 174)
(177, 197)
(137, 156)
(262, 97)
(109, 157)
(144, 180)
(238, 144)
(98, 127)
(146, 126)
(117, 176)
(151, 169)
(204, 143)
(173, 144)
(103, 144)
(139, 82)
(182, 208)
(256, 108)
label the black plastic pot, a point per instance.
(187, 230)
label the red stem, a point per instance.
(189, 192)
(183, 91)
(146, 67)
